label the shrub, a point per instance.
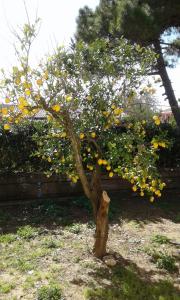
(27, 232)
(16, 149)
(49, 292)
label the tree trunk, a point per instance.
(167, 83)
(102, 227)
(96, 190)
(99, 199)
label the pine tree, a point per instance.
(140, 21)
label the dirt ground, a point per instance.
(49, 244)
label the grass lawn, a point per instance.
(45, 251)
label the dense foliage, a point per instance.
(17, 148)
(85, 92)
(147, 22)
(16, 151)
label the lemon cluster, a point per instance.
(157, 120)
(142, 183)
(112, 116)
(156, 144)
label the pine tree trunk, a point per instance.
(167, 83)
(102, 227)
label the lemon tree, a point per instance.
(85, 92)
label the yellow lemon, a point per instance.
(108, 168)
(111, 174)
(74, 179)
(156, 120)
(11, 108)
(4, 111)
(162, 144)
(117, 111)
(56, 107)
(100, 162)
(154, 182)
(93, 135)
(7, 126)
(25, 111)
(17, 81)
(81, 136)
(7, 100)
(28, 92)
(134, 188)
(151, 199)
(45, 75)
(155, 145)
(68, 98)
(39, 82)
(89, 98)
(63, 134)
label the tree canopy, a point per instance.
(140, 21)
(83, 104)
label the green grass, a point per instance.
(31, 280)
(37, 256)
(27, 232)
(49, 208)
(51, 243)
(127, 285)
(23, 265)
(74, 228)
(6, 287)
(164, 261)
(82, 202)
(7, 238)
(160, 239)
(49, 292)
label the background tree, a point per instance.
(141, 21)
(83, 103)
(144, 105)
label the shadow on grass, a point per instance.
(47, 214)
(51, 213)
(131, 207)
(126, 281)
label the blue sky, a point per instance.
(58, 26)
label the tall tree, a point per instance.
(82, 109)
(140, 21)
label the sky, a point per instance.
(58, 25)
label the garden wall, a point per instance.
(38, 186)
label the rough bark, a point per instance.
(77, 155)
(102, 227)
(99, 199)
(96, 190)
(167, 83)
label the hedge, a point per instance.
(17, 148)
